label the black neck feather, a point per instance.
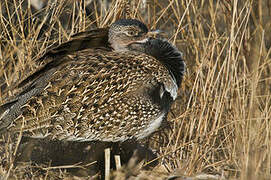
(166, 53)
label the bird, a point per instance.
(108, 84)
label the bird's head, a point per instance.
(125, 32)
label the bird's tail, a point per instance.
(4, 111)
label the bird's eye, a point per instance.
(131, 33)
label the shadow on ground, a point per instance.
(81, 158)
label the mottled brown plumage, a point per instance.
(86, 91)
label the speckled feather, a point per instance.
(103, 96)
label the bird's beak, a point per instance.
(150, 34)
(154, 33)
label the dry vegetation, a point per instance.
(220, 124)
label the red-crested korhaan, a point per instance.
(108, 84)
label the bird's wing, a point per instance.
(86, 87)
(97, 38)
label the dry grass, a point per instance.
(220, 124)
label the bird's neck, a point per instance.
(166, 53)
